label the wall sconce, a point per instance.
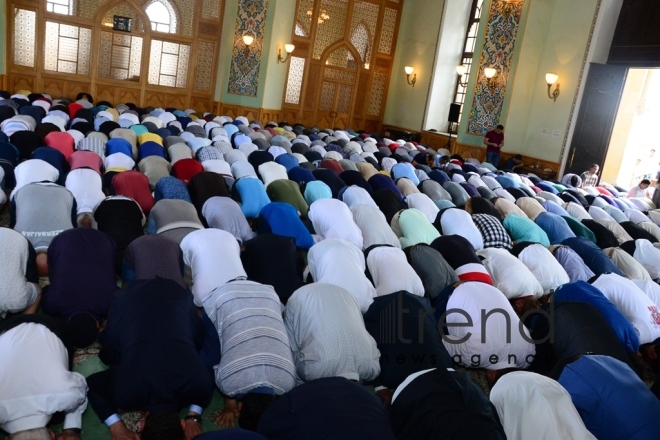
(462, 70)
(490, 73)
(288, 48)
(551, 78)
(247, 41)
(409, 71)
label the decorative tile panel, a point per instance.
(246, 62)
(294, 81)
(499, 44)
(387, 31)
(87, 8)
(24, 37)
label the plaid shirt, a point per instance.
(588, 180)
(492, 231)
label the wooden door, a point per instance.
(596, 117)
(337, 88)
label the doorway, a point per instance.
(634, 149)
(335, 101)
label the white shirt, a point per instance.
(509, 274)
(459, 222)
(341, 263)
(118, 161)
(649, 256)
(16, 293)
(599, 213)
(475, 298)
(636, 191)
(533, 406)
(272, 171)
(217, 166)
(391, 272)
(374, 227)
(423, 203)
(577, 211)
(213, 255)
(633, 303)
(33, 170)
(544, 266)
(630, 267)
(35, 382)
(331, 218)
(327, 335)
(636, 216)
(87, 187)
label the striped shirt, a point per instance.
(254, 346)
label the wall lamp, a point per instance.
(490, 73)
(247, 41)
(462, 70)
(551, 78)
(288, 48)
(409, 71)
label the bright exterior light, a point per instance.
(490, 72)
(248, 39)
(462, 69)
(409, 70)
(551, 78)
(289, 48)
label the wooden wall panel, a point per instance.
(313, 84)
(124, 95)
(289, 115)
(201, 104)
(176, 101)
(105, 93)
(54, 87)
(22, 82)
(268, 115)
(71, 89)
(4, 82)
(154, 99)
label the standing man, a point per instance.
(590, 177)
(494, 140)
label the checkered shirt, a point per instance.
(492, 231)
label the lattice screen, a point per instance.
(120, 56)
(304, 18)
(294, 82)
(67, 48)
(341, 57)
(332, 29)
(24, 37)
(168, 64)
(387, 31)
(363, 29)
(211, 9)
(327, 96)
(377, 93)
(344, 99)
(204, 65)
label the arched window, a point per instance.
(468, 49)
(162, 16)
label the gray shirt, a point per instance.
(41, 211)
(327, 334)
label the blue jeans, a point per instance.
(493, 159)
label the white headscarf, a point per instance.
(533, 406)
(331, 218)
(391, 272)
(340, 263)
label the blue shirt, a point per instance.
(612, 400)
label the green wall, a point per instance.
(416, 46)
(280, 34)
(554, 40)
